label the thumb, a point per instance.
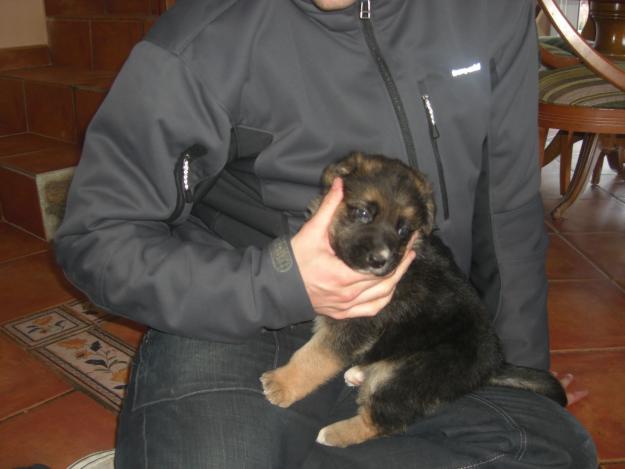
(323, 217)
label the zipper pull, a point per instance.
(365, 9)
(187, 156)
(431, 119)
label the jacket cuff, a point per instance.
(291, 299)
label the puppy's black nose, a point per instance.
(379, 258)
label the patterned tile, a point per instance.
(85, 310)
(96, 360)
(41, 328)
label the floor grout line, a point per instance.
(619, 348)
(601, 270)
(35, 406)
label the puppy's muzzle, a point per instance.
(379, 259)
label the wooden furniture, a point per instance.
(609, 19)
(585, 99)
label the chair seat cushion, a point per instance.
(555, 45)
(579, 86)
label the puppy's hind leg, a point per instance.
(361, 427)
(309, 367)
(357, 429)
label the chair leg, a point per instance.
(616, 159)
(591, 150)
(596, 173)
(566, 157)
(552, 151)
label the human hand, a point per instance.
(571, 396)
(334, 289)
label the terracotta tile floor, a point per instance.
(48, 417)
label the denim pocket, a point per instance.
(171, 367)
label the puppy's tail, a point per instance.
(532, 379)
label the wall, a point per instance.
(22, 23)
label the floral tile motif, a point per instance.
(52, 188)
(96, 360)
(43, 327)
(85, 310)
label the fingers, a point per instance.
(572, 396)
(322, 219)
(369, 296)
(565, 380)
(576, 396)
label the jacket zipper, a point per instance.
(182, 171)
(434, 135)
(389, 82)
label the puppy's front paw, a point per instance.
(331, 436)
(348, 432)
(276, 388)
(354, 376)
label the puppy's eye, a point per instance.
(361, 215)
(403, 231)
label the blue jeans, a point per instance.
(199, 404)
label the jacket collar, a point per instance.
(349, 18)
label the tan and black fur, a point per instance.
(430, 345)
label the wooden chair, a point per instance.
(585, 99)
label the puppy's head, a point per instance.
(384, 203)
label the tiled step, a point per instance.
(82, 8)
(12, 58)
(97, 42)
(55, 101)
(33, 186)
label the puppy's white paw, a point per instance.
(322, 437)
(354, 376)
(276, 388)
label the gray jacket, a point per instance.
(199, 165)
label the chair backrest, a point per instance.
(593, 59)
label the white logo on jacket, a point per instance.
(476, 67)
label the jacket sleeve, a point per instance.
(509, 234)
(114, 243)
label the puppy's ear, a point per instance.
(343, 167)
(430, 216)
(425, 190)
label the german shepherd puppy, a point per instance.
(432, 344)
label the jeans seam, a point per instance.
(138, 362)
(145, 439)
(277, 351)
(510, 420)
(195, 393)
(486, 461)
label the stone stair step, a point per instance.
(33, 186)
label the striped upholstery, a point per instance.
(555, 45)
(579, 86)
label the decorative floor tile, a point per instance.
(96, 360)
(43, 327)
(85, 310)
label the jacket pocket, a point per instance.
(434, 136)
(182, 177)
